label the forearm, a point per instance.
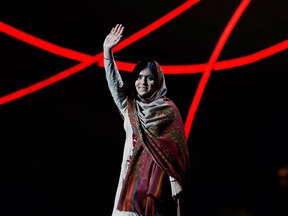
(107, 53)
(115, 83)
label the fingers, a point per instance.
(117, 30)
(115, 35)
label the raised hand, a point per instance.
(113, 38)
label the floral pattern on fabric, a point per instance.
(160, 151)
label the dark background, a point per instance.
(61, 147)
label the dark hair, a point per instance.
(141, 65)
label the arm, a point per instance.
(115, 83)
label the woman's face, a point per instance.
(145, 84)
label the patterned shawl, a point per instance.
(160, 150)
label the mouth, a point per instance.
(143, 88)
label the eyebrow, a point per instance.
(146, 75)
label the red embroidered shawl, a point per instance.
(160, 151)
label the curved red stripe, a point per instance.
(204, 79)
(42, 44)
(86, 60)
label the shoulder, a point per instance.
(171, 110)
(171, 104)
(174, 113)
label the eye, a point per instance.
(150, 78)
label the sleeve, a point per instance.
(115, 84)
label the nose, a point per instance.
(143, 81)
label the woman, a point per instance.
(155, 165)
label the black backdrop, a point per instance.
(61, 146)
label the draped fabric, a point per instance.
(160, 151)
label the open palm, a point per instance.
(113, 38)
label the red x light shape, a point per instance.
(86, 60)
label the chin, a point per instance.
(142, 94)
